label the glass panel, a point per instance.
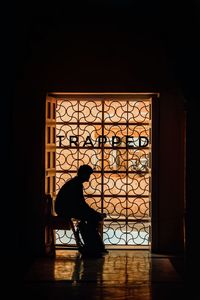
(90, 111)
(114, 184)
(123, 233)
(138, 184)
(139, 111)
(111, 134)
(115, 111)
(67, 159)
(66, 111)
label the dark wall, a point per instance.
(127, 48)
(171, 174)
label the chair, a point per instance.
(53, 222)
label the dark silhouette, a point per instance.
(70, 203)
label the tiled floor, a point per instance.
(121, 274)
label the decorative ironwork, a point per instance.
(113, 135)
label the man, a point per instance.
(70, 203)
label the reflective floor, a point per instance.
(121, 274)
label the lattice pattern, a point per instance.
(113, 135)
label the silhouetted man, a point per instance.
(70, 203)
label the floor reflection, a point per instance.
(121, 275)
(90, 270)
(117, 267)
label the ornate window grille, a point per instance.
(112, 133)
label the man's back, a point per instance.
(69, 198)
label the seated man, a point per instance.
(70, 203)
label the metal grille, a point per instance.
(113, 135)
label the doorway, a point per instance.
(112, 132)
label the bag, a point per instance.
(92, 241)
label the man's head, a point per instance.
(84, 172)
